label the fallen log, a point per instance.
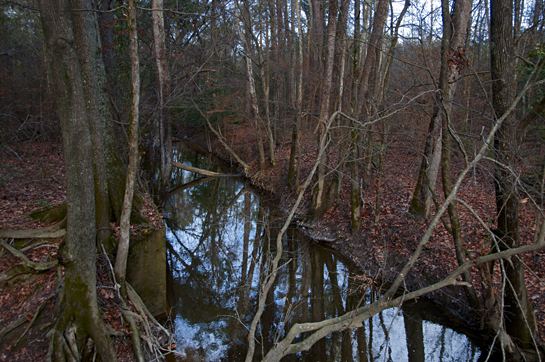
(195, 170)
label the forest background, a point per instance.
(409, 134)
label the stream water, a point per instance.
(220, 236)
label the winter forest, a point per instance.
(407, 137)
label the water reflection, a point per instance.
(220, 235)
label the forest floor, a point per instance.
(32, 178)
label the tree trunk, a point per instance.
(124, 227)
(451, 66)
(115, 172)
(518, 309)
(319, 203)
(251, 95)
(355, 204)
(162, 150)
(451, 69)
(264, 73)
(80, 250)
(293, 172)
(106, 20)
(90, 55)
(368, 79)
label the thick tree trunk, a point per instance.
(90, 55)
(106, 21)
(115, 172)
(518, 309)
(80, 250)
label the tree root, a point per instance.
(135, 336)
(26, 267)
(48, 216)
(154, 345)
(54, 231)
(39, 267)
(67, 343)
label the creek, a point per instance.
(220, 236)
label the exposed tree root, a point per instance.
(39, 267)
(51, 232)
(155, 346)
(26, 267)
(135, 336)
(67, 340)
(49, 216)
(14, 272)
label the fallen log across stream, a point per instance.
(196, 170)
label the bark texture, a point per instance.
(159, 155)
(124, 227)
(519, 313)
(80, 272)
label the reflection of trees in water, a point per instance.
(219, 252)
(415, 339)
(204, 261)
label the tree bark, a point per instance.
(518, 309)
(319, 204)
(369, 81)
(251, 95)
(452, 66)
(80, 271)
(90, 55)
(124, 227)
(293, 172)
(161, 142)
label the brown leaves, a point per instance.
(32, 181)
